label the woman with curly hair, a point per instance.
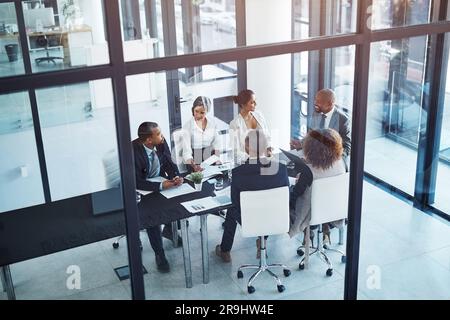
(323, 150)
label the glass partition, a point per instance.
(11, 60)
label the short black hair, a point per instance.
(145, 130)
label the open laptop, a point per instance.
(298, 162)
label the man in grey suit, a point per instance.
(327, 115)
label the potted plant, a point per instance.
(71, 13)
(197, 178)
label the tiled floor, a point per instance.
(410, 249)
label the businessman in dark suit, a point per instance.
(152, 159)
(327, 115)
(257, 173)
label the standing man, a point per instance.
(152, 159)
(327, 116)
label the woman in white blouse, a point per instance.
(200, 138)
(247, 119)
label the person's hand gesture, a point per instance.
(296, 144)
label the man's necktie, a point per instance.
(154, 165)
(322, 121)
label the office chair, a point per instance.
(42, 41)
(329, 202)
(112, 180)
(261, 218)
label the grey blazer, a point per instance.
(340, 122)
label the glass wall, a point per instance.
(395, 113)
(78, 128)
(11, 60)
(65, 34)
(442, 200)
(387, 13)
(19, 166)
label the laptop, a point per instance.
(298, 162)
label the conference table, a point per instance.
(155, 209)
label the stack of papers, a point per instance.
(178, 191)
(204, 204)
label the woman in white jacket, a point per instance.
(247, 119)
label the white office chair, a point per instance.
(112, 180)
(260, 218)
(177, 150)
(329, 202)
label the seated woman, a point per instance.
(200, 135)
(323, 150)
(247, 119)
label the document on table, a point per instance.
(177, 191)
(155, 179)
(210, 161)
(200, 205)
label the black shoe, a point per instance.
(162, 264)
(167, 233)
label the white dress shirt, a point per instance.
(328, 118)
(195, 137)
(239, 131)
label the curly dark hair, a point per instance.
(322, 148)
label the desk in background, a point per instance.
(74, 43)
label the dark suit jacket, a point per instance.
(142, 166)
(340, 122)
(248, 177)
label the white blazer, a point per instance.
(239, 131)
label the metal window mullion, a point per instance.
(241, 40)
(122, 122)
(40, 145)
(359, 119)
(430, 138)
(23, 37)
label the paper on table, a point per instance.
(157, 179)
(223, 197)
(292, 181)
(200, 205)
(144, 192)
(177, 191)
(209, 161)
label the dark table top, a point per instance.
(155, 209)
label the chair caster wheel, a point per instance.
(251, 289)
(287, 272)
(344, 259)
(329, 272)
(300, 252)
(281, 288)
(301, 266)
(240, 275)
(115, 245)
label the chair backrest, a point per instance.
(177, 150)
(329, 199)
(265, 212)
(111, 169)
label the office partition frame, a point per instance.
(118, 70)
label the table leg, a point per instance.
(7, 282)
(175, 234)
(186, 253)
(205, 255)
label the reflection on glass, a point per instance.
(20, 173)
(388, 13)
(78, 132)
(11, 61)
(442, 200)
(395, 115)
(340, 18)
(65, 34)
(339, 70)
(142, 29)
